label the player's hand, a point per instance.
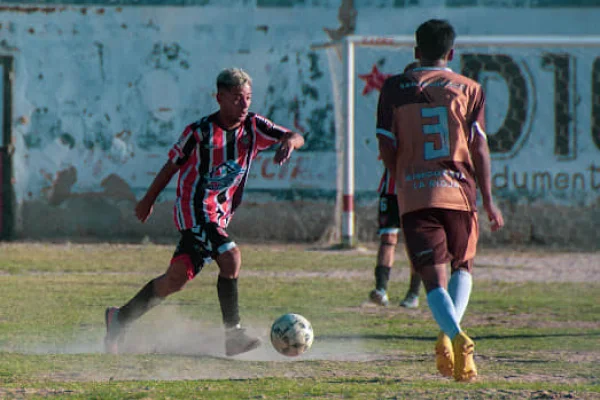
(283, 153)
(494, 215)
(143, 209)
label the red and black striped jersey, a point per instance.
(214, 165)
(387, 185)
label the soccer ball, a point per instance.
(291, 334)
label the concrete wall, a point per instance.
(100, 93)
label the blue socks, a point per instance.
(443, 311)
(459, 289)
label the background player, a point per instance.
(430, 126)
(389, 227)
(213, 158)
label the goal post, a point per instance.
(556, 56)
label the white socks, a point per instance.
(459, 289)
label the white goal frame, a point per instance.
(348, 45)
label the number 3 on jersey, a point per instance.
(436, 148)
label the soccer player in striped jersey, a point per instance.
(212, 159)
(431, 131)
(389, 227)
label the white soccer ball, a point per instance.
(291, 334)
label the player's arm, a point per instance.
(385, 138)
(144, 207)
(178, 155)
(387, 152)
(480, 154)
(271, 133)
(290, 141)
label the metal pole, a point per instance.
(348, 234)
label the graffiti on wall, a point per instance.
(542, 117)
(111, 94)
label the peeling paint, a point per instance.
(32, 10)
(102, 93)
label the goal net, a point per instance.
(542, 113)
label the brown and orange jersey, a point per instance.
(432, 115)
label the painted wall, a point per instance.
(100, 94)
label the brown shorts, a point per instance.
(438, 236)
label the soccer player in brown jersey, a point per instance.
(389, 227)
(213, 158)
(430, 126)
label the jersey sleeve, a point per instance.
(477, 123)
(185, 145)
(267, 132)
(385, 114)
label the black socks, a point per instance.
(228, 299)
(382, 276)
(139, 304)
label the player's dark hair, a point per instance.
(435, 38)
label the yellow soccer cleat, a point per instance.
(464, 364)
(444, 355)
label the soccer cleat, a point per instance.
(379, 297)
(410, 301)
(238, 342)
(464, 364)
(444, 355)
(113, 330)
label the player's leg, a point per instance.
(440, 304)
(411, 299)
(425, 241)
(460, 286)
(463, 233)
(184, 265)
(229, 259)
(385, 260)
(389, 224)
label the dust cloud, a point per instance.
(192, 349)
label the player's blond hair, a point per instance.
(233, 77)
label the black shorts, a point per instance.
(203, 243)
(388, 216)
(438, 236)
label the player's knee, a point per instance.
(230, 263)
(180, 271)
(466, 266)
(388, 239)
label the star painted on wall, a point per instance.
(373, 80)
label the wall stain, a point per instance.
(100, 49)
(114, 188)
(163, 56)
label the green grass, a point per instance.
(534, 339)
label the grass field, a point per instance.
(535, 318)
